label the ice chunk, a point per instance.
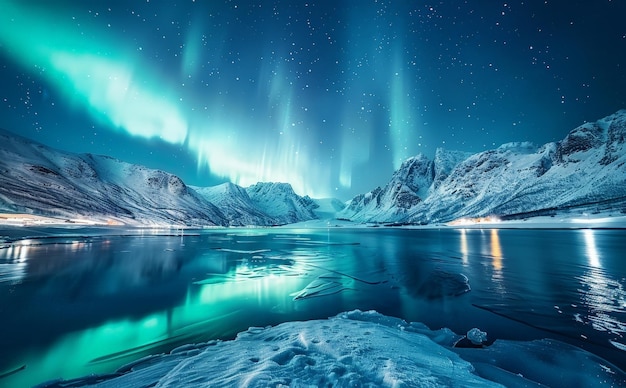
(476, 336)
(324, 285)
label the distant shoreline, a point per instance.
(603, 221)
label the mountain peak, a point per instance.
(280, 201)
(585, 170)
(518, 146)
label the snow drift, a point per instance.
(361, 349)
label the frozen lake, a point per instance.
(80, 301)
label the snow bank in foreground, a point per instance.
(361, 349)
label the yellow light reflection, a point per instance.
(496, 250)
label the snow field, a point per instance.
(364, 349)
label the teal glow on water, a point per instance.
(85, 302)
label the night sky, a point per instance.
(330, 96)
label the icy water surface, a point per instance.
(76, 302)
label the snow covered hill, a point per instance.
(279, 201)
(261, 204)
(585, 171)
(413, 181)
(36, 179)
(355, 349)
(235, 204)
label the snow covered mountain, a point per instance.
(327, 208)
(39, 180)
(279, 201)
(235, 204)
(412, 182)
(261, 204)
(586, 170)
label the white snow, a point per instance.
(278, 200)
(585, 171)
(42, 181)
(476, 336)
(360, 349)
(570, 221)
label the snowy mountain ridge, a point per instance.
(235, 204)
(416, 178)
(279, 201)
(265, 203)
(39, 180)
(585, 170)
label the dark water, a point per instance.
(87, 303)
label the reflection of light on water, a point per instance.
(17, 252)
(13, 262)
(604, 296)
(78, 246)
(592, 251)
(91, 350)
(205, 309)
(496, 251)
(464, 245)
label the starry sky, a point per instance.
(328, 95)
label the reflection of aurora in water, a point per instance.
(109, 300)
(230, 279)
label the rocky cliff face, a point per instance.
(406, 190)
(586, 170)
(403, 191)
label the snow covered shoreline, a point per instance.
(360, 349)
(605, 221)
(543, 222)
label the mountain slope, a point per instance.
(413, 181)
(586, 170)
(327, 208)
(234, 202)
(279, 201)
(39, 180)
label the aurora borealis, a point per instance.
(329, 96)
